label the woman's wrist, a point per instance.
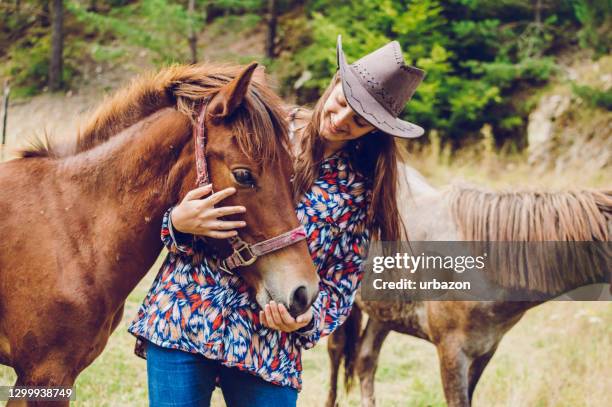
(173, 220)
(179, 238)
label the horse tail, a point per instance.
(352, 329)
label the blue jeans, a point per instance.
(178, 378)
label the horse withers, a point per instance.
(81, 222)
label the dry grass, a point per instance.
(482, 164)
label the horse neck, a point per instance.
(423, 209)
(124, 186)
(413, 181)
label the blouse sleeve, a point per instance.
(174, 240)
(340, 279)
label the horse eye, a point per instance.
(244, 177)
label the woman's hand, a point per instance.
(276, 316)
(198, 216)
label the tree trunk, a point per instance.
(44, 16)
(538, 13)
(193, 38)
(271, 39)
(57, 45)
(5, 104)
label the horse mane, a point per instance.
(528, 216)
(182, 87)
(531, 215)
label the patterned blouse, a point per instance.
(195, 308)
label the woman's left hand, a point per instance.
(276, 316)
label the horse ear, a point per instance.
(231, 95)
(260, 75)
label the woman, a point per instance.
(345, 179)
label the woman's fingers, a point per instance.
(305, 318)
(198, 192)
(200, 217)
(221, 195)
(220, 235)
(286, 316)
(228, 225)
(276, 317)
(227, 210)
(267, 314)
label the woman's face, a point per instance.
(339, 122)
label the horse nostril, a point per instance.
(299, 301)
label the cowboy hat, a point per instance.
(378, 86)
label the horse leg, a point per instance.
(17, 402)
(475, 371)
(367, 359)
(335, 347)
(39, 383)
(55, 370)
(454, 365)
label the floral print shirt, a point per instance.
(196, 308)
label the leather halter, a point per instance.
(244, 254)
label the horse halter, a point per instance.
(244, 254)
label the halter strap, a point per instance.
(244, 254)
(199, 136)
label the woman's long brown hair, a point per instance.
(374, 155)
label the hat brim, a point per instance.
(368, 107)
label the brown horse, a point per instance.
(81, 222)
(467, 333)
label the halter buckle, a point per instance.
(244, 246)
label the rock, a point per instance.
(564, 133)
(540, 130)
(606, 80)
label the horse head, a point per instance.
(247, 148)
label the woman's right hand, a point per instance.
(198, 216)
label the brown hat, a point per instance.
(378, 86)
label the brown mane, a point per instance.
(486, 216)
(182, 87)
(531, 215)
